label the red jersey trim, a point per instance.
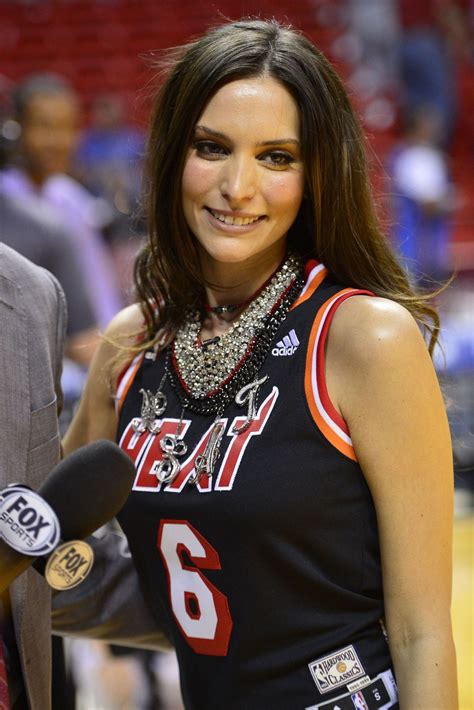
(325, 415)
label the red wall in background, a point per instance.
(100, 45)
(107, 46)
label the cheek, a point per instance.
(32, 139)
(70, 139)
(197, 178)
(285, 193)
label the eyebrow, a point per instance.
(222, 136)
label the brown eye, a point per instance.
(209, 149)
(277, 158)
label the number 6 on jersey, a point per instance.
(200, 609)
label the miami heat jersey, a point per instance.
(268, 573)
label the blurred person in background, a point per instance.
(374, 27)
(434, 35)
(436, 41)
(117, 678)
(48, 113)
(423, 198)
(109, 163)
(30, 232)
(30, 228)
(110, 153)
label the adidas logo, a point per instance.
(286, 346)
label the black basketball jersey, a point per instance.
(268, 573)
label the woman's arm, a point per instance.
(381, 379)
(96, 417)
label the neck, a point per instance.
(38, 179)
(230, 284)
(35, 173)
(225, 304)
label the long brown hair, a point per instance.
(337, 222)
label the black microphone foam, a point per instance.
(88, 488)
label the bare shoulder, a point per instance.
(126, 324)
(122, 333)
(367, 330)
(375, 350)
(118, 342)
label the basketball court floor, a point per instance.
(463, 608)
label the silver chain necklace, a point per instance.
(204, 367)
(208, 376)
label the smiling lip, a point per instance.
(234, 219)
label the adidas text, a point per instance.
(284, 351)
(287, 345)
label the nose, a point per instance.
(238, 180)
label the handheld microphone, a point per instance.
(83, 492)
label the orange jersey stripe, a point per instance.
(331, 426)
(125, 380)
(316, 276)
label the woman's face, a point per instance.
(243, 180)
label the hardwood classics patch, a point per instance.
(336, 669)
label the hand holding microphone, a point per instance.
(83, 492)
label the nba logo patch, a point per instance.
(359, 701)
(336, 669)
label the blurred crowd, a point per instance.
(70, 194)
(403, 60)
(70, 201)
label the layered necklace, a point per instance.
(208, 375)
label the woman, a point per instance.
(294, 488)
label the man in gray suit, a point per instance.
(109, 605)
(32, 326)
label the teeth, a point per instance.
(238, 221)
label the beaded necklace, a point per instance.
(207, 376)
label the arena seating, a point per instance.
(110, 45)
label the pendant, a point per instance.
(205, 462)
(219, 310)
(153, 406)
(168, 468)
(248, 394)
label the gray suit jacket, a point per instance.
(109, 605)
(32, 328)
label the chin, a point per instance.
(228, 256)
(225, 251)
(240, 251)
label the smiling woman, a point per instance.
(243, 183)
(278, 399)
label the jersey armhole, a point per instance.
(324, 413)
(125, 379)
